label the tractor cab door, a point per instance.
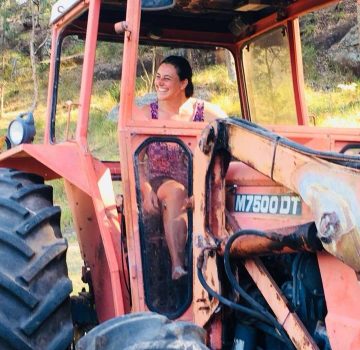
(164, 164)
(160, 163)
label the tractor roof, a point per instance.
(230, 19)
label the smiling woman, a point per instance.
(174, 91)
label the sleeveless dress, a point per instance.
(167, 160)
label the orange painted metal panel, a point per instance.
(342, 290)
(92, 249)
(53, 161)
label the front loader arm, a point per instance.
(329, 183)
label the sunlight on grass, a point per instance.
(74, 263)
(60, 199)
(338, 107)
(102, 136)
(220, 89)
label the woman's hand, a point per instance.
(150, 199)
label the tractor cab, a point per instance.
(120, 40)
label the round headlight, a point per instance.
(22, 129)
(16, 132)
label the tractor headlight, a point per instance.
(22, 129)
(16, 132)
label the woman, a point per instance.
(174, 89)
(166, 186)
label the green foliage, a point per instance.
(308, 26)
(114, 91)
(310, 55)
(108, 53)
(61, 200)
(220, 89)
(102, 135)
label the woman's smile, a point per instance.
(167, 82)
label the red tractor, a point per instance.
(273, 240)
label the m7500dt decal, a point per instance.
(268, 204)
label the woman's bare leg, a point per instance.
(172, 196)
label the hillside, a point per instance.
(331, 46)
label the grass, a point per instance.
(338, 107)
(224, 92)
(74, 264)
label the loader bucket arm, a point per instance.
(328, 182)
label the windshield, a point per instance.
(266, 63)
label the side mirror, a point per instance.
(155, 5)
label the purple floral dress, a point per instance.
(167, 160)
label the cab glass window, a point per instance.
(104, 105)
(164, 164)
(67, 88)
(266, 63)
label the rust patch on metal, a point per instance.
(329, 227)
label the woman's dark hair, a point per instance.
(183, 70)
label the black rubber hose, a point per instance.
(248, 311)
(232, 279)
(229, 303)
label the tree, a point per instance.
(24, 32)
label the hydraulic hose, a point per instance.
(248, 311)
(232, 279)
(229, 303)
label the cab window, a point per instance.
(267, 69)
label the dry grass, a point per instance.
(74, 264)
(339, 107)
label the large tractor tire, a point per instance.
(144, 331)
(34, 287)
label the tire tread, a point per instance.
(58, 294)
(50, 253)
(16, 289)
(34, 288)
(16, 243)
(42, 216)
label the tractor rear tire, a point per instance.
(34, 285)
(144, 331)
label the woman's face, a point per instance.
(168, 84)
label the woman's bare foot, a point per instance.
(178, 272)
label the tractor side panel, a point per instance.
(92, 249)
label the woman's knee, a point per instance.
(171, 190)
